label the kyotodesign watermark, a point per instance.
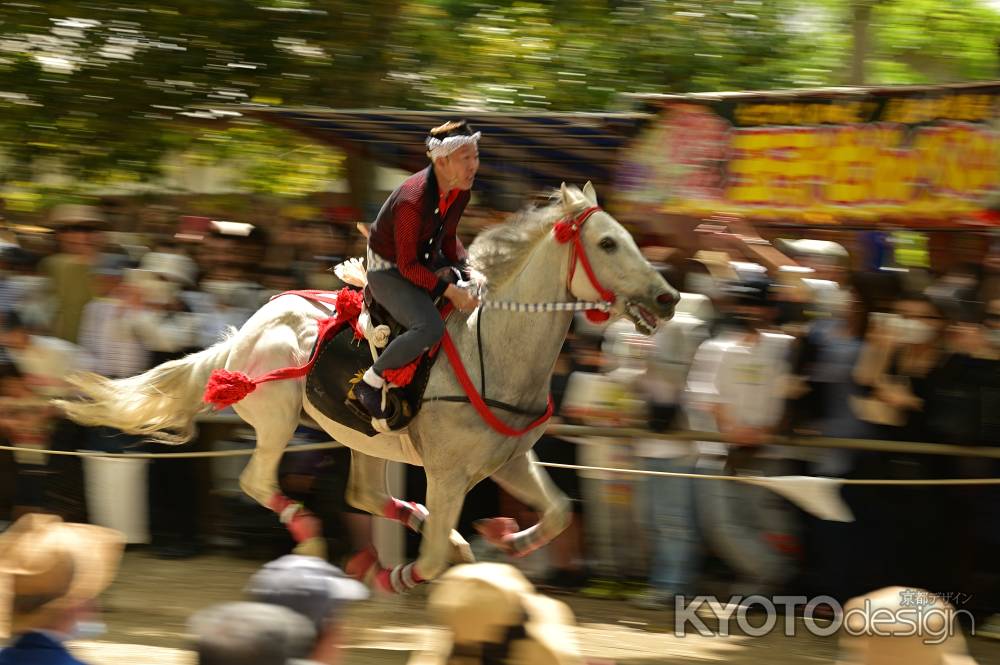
(918, 613)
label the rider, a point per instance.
(414, 235)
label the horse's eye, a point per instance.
(608, 244)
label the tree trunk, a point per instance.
(361, 180)
(861, 15)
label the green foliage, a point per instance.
(913, 41)
(928, 41)
(101, 88)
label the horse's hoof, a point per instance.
(314, 546)
(496, 532)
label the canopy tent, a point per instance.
(520, 153)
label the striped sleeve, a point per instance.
(406, 235)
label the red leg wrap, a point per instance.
(299, 521)
(399, 579)
(498, 531)
(408, 513)
(362, 563)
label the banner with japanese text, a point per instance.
(930, 153)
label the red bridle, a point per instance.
(569, 230)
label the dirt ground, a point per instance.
(147, 607)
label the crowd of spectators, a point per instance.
(769, 339)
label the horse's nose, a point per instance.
(667, 298)
(667, 301)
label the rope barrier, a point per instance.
(752, 479)
(306, 447)
(632, 433)
(552, 465)
(874, 445)
(585, 431)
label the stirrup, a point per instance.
(396, 408)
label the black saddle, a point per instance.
(341, 362)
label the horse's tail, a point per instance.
(160, 404)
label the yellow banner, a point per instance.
(698, 160)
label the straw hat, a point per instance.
(176, 267)
(899, 642)
(718, 264)
(68, 215)
(492, 609)
(48, 566)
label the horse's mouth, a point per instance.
(645, 321)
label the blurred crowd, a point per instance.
(296, 610)
(790, 338)
(85, 296)
(770, 338)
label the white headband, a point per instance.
(444, 147)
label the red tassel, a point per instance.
(565, 231)
(349, 302)
(597, 316)
(226, 388)
(403, 376)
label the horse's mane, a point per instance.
(499, 252)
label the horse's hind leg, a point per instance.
(368, 491)
(273, 411)
(530, 484)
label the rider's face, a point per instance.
(458, 170)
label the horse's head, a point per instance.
(639, 291)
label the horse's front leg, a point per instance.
(530, 484)
(368, 491)
(445, 495)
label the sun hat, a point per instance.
(48, 566)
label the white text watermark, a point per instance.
(917, 614)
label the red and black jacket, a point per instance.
(410, 231)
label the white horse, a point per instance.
(523, 261)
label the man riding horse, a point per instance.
(412, 243)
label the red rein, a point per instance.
(568, 230)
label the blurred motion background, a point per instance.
(819, 179)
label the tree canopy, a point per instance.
(107, 88)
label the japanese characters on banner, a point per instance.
(932, 154)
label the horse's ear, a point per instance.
(571, 200)
(590, 193)
(565, 197)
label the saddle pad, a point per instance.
(337, 362)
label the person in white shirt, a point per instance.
(109, 322)
(36, 369)
(44, 361)
(669, 502)
(23, 290)
(737, 386)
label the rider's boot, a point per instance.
(369, 393)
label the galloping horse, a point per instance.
(531, 259)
